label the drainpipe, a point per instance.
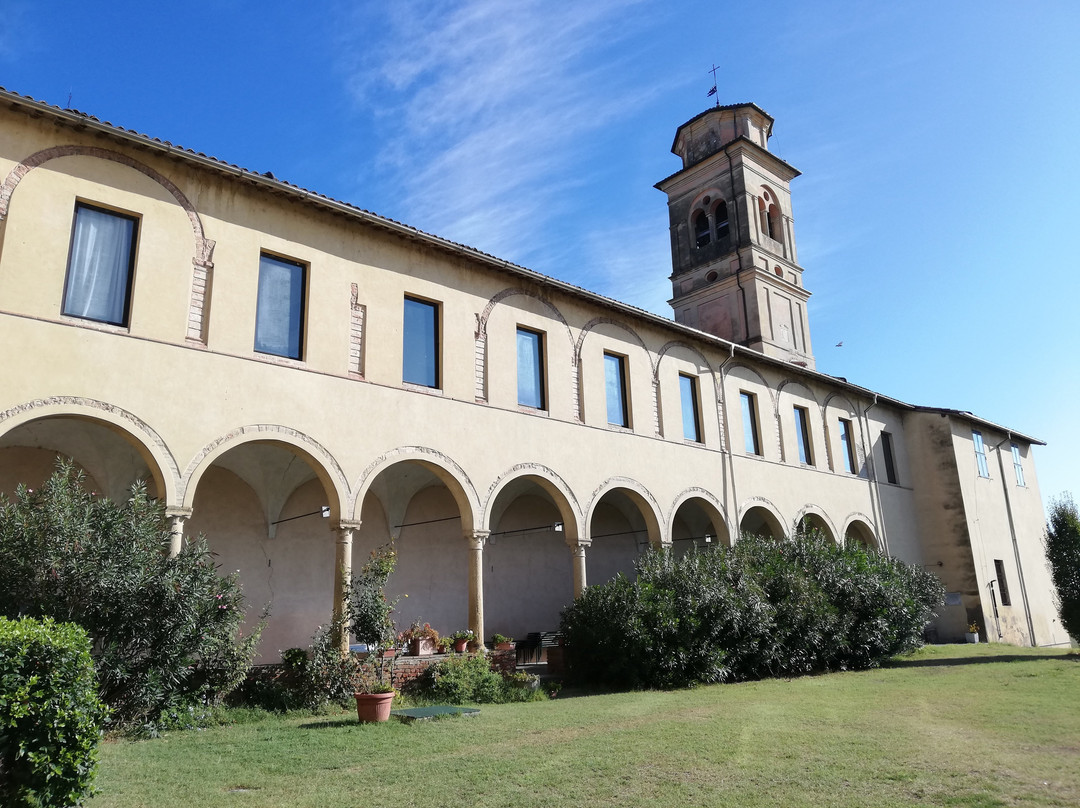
(875, 490)
(730, 453)
(1015, 543)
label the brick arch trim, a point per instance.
(202, 260)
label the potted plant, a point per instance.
(972, 632)
(370, 616)
(462, 639)
(502, 642)
(444, 645)
(420, 638)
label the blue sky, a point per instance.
(935, 218)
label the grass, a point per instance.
(976, 726)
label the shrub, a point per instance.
(468, 678)
(762, 608)
(164, 630)
(1062, 542)
(50, 714)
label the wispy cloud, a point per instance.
(480, 109)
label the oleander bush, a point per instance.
(50, 714)
(165, 631)
(1062, 541)
(762, 608)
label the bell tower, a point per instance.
(735, 271)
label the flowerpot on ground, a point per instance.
(372, 708)
(460, 646)
(972, 636)
(422, 646)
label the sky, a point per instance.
(939, 144)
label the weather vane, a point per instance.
(712, 92)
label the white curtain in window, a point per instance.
(100, 267)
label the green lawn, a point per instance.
(951, 726)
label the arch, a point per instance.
(586, 329)
(136, 432)
(320, 460)
(769, 215)
(759, 515)
(857, 528)
(203, 258)
(445, 469)
(813, 517)
(551, 483)
(710, 507)
(481, 332)
(717, 394)
(639, 496)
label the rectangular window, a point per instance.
(618, 413)
(980, 453)
(101, 265)
(1003, 585)
(1018, 466)
(691, 424)
(749, 422)
(530, 368)
(890, 460)
(847, 445)
(802, 434)
(279, 309)
(420, 343)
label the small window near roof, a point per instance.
(751, 442)
(1018, 465)
(980, 453)
(530, 363)
(420, 343)
(847, 445)
(618, 411)
(802, 435)
(101, 265)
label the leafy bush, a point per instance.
(1062, 542)
(164, 630)
(50, 714)
(762, 608)
(468, 678)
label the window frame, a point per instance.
(296, 329)
(688, 385)
(1003, 584)
(802, 435)
(619, 363)
(129, 280)
(889, 455)
(538, 372)
(980, 454)
(431, 378)
(751, 434)
(847, 445)
(1018, 465)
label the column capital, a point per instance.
(346, 524)
(477, 538)
(178, 513)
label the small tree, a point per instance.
(164, 630)
(1062, 542)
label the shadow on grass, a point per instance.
(976, 660)
(340, 722)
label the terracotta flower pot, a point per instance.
(389, 653)
(504, 646)
(372, 708)
(460, 646)
(422, 646)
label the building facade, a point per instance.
(303, 381)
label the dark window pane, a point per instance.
(100, 266)
(688, 393)
(420, 363)
(279, 312)
(530, 362)
(615, 390)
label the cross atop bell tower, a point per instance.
(735, 271)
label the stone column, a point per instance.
(342, 578)
(177, 517)
(476, 540)
(578, 551)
